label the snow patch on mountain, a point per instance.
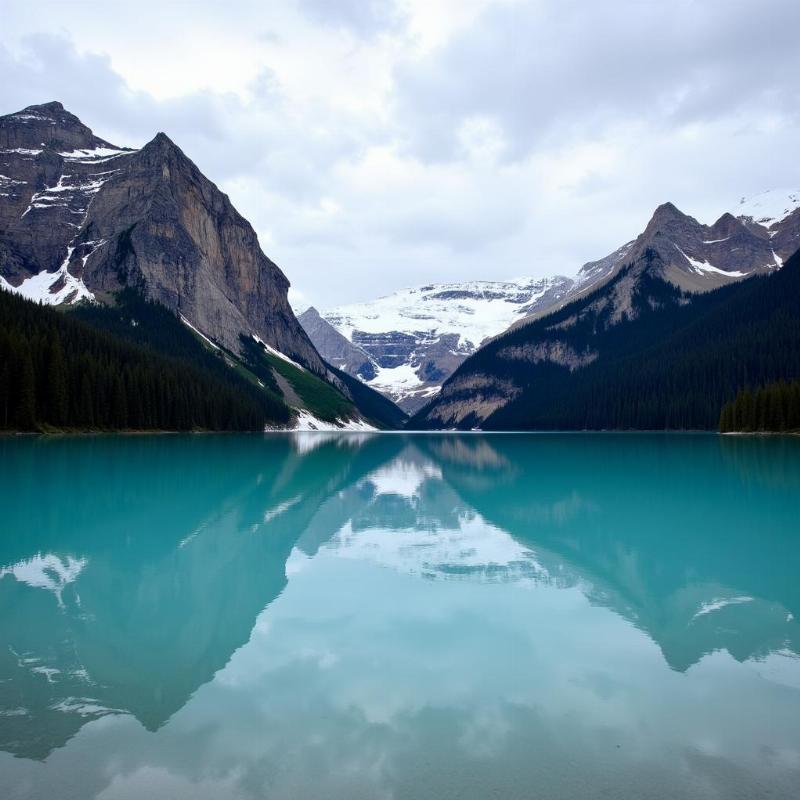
(306, 421)
(701, 267)
(416, 337)
(475, 310)
(770, 207)
(52, 288)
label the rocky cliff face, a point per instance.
(335, 348)
(81, 218)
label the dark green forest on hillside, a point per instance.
(57, 371)
(774, 408)
(671, 368)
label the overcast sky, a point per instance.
(377, 144)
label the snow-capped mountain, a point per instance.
(408, 343)
(770, 207)
(82, 219)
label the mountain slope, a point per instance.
(335, 348)
(638, 352)
(82, 219)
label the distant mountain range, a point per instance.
(408, 343)
(83, 219)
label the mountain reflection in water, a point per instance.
(136, 570)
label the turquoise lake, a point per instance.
(399, 616)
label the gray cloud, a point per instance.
(566, 69)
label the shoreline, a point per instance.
(343, 431)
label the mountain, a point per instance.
(663, 340)
(698, 258)
(83, 219)
(407, 343)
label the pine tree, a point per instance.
(25, 415)
(56, 383)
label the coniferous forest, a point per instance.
(59, 372)
(774, 408)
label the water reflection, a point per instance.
(134, 571)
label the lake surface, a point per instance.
(391, 616)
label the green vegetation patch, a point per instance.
(319, 397)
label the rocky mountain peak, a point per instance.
(162, 142)
(666, 218)
(53, 107)
(47, 125)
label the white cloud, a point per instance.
(377, 145)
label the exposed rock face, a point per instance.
(415, 338)
(555, 352)
(334, 348)
(699, 257)
(51, 167)
(79, 213)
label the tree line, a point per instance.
(774, 408)
(58, 372)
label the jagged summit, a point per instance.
(51, 108)
(667, 211)
(162, 140)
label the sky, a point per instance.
(380, 144)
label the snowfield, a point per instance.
(475, 310)
(769, 207)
